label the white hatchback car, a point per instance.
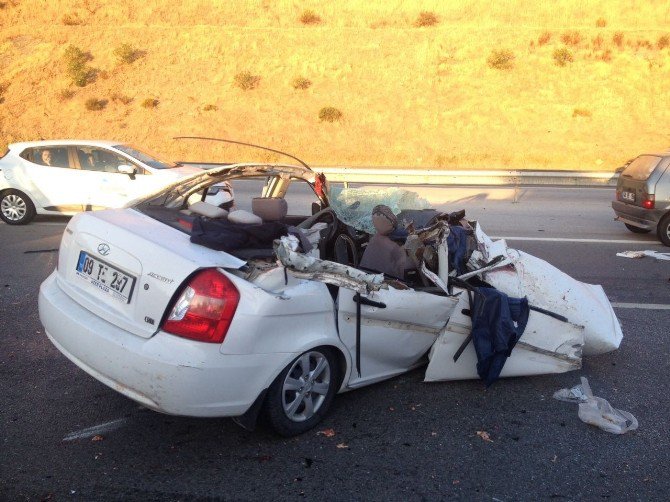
(68, 176)
(191, 310)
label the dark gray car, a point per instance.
(643, 195)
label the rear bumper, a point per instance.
(637, 216)
(165, 373)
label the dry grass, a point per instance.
(411, 97)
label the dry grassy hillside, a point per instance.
(442, 83)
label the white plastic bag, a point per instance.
(596, 410)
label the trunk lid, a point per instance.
(125, 267)
(638, 181)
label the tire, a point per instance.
(663, 230)
(637, 230)
(16, 208)
(301, 395)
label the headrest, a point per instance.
(207, 209)
(244, 217)
(269, 208)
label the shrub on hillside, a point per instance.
(330, 114)
(150, 103)
(426, 18)
(121, 98)
(309, 17)
(598, 42)
(77, 68)
(127, 54)
(571, 38)
(663, 42)
(563, 56)
(95, 105)
(71, 20)
(246, 81)
(210, 108)
(301, 83)
(544, 38)
(65, 94)
(617, 38)
(502, 59)
(3, 89)
(581, 112)
(605, 56)
(601, 22)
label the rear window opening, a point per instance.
(642, 167)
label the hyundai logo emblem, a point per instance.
(103, 249)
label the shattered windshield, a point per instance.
(354, 206)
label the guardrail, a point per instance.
(394, 175)
(477, 178)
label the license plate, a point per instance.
(105, 277)
(629, 196)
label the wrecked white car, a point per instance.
(300, 292)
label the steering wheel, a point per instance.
(326, 215)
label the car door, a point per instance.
(391, 330)
(55, 185)
(109, 187)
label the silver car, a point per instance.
(643, 195)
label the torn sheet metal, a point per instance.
(309, 267)
(546, 346)
(549, 288)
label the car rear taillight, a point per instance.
(204, 309)
(648, 201)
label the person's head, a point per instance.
(46, 157)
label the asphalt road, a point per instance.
(397, 440)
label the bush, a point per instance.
(563, 56)
(77, 69)
(663, 42)
(71, 20)
(150, 103)
(601, 22)
(605, 56)
(127, 54)
(65, 94)
(329, 114)
(544, 38)
(95, 105)
(598, 42)
(571, 38)
(426, 19)
(502, 59)
(301, 83)
(210, 108)
(309, 17)
(246, 81)
(3, 88)
(617, 38)
(581, 112)
(121, 98)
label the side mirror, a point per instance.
(129, 170)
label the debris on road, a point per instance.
(642, 254)
(597, 411)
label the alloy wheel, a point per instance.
(13, 207)
(306, 385)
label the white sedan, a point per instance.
(68, 176)
(192, 310)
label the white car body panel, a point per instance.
(62, 190)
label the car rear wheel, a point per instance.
(16, 208)
(637, 230)
(663, 230)
(302, 394)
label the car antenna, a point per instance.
(245, 144)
